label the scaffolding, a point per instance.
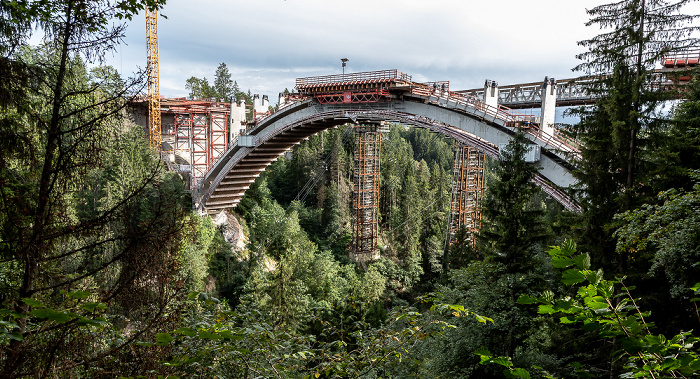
(467, 193)
(365, 202)
(153, 78)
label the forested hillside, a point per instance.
(105, 271)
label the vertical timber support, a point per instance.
(467, 194)
(365, 215)
(549, 103)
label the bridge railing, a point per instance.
(353, 77)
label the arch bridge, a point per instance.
(390, 96)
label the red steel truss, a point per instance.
(201, 132)
(366, 195)
(200, 150)
(183, 133)
(354, 97)
(218, 142)
(467, 192)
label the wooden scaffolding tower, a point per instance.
(467, 192)
(365, 214)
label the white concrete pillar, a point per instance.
(237, 118)
(491, 93)
(549, 104)
(260, 104)
(257, 103)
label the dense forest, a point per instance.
(105, 270)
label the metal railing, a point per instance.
(353, 77)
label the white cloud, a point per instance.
(267, 44)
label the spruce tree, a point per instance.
(223, 85)
(512, 228)
(636, 35)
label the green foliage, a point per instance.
(241, 343)
(608, 309)
(199, 88)
(512, 227)
(667, 235)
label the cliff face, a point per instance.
(231, 230)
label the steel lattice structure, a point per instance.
(467, 192)
(153, 77)
(366, 195)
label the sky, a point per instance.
(266, 44)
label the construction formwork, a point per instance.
(201, 134)
(467, 192)
(365, 220)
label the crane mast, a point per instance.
(153, 77)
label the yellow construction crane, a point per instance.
(153, 77)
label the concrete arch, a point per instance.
(227, 181)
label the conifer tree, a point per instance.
(511, 228)
(636, 35)
(223, 85)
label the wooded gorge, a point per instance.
(105, 271)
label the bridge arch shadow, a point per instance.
(226, 182)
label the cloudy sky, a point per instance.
(268, 43)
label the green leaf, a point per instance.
(483, 319)
(8, 324)
(503, 361)
(518, 373)
(583, 261)
(209, 335)
(568, 247)
(163, 339)
(91, 307)
(559, 262)
(79, 294)
(52, 315)
(32, 303)
(566, 320)
(596, 302)
(527, 299)
(571, 277)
